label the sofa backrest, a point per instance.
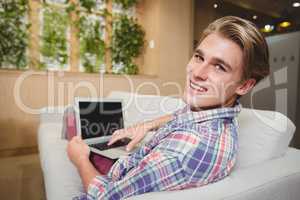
(263, 135)
(139, 107)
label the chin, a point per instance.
(198, 102)
(193, 101)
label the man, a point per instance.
(197, 145)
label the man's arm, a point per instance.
(137, 132)
(158, 122)
(78, 153)
(156, 172)
(87, 172)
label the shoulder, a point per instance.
(216, 126)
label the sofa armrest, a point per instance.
(61, 178)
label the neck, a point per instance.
(228, 103)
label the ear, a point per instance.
(245, 87)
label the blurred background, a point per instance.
(273, 17)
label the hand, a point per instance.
(135, 133)
(78, 151)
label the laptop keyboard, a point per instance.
(103, 146)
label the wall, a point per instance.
(280, 91)
(169, 23)
(204, 14)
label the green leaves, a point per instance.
(13, 33)
(126, 3)
(127, 42)
(54, 37)
(92, 47)
(88, 4)
(71, 7)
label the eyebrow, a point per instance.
(219, 60)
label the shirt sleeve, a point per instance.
(126, 163)
(156, 172)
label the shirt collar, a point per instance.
(187, 115)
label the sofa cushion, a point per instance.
(263, 135)
(69, 129)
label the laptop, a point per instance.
(96, 121)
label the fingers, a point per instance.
(117, 135)
(77, 143)
(75, 139)
(114, 138)
(131, 145)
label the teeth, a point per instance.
(197, 87)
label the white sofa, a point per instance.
(266, 168)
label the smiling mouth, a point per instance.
(197, 87)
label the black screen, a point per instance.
(100, 118)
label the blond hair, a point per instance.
(245, 34)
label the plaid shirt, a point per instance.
(194, 149)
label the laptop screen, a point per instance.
(100, 118)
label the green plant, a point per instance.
(88, 4)
(127, 42)
(55, 1)
(93, 5)
(92, 47)
(13, 33)
(54, 37)
(126, 3)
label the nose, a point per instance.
(200, 72)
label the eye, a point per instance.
(198, 57)
(220, 67)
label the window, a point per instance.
(72, 35)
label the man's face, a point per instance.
(214, 73)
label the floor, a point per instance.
(21, 178)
